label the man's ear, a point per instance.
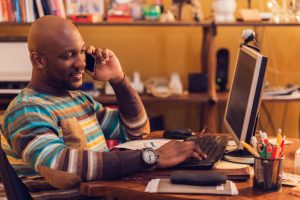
(38, 60)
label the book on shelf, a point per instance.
(46, 7)
(3, 11)
(93, 10)
(35, 10)
(16, 7)
(119, 18)
(287, 90)
(22, 10)
(29, 10)
(58, 8)
(88, 18)
(10, 11)
(40, 8)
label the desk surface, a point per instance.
(134, 189)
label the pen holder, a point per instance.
(267, 173)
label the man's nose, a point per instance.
(80, 61)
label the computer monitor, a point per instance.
(243, 104)
(15, 70)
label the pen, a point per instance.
(274, 151)
(279, 137)
(152, 144)
(281, 146)
(250, 149)
(254, 142)
(260, 133)
(264, 137)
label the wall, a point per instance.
(160, 51)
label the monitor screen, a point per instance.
(15, 61)
(245, 95)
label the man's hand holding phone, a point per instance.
(103, 65)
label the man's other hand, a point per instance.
(175, 152)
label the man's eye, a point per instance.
(68, 55)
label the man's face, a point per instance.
(65, 62)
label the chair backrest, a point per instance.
(15, 189)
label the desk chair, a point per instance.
(15, 189)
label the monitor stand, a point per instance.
(239, 156)
(242, 155)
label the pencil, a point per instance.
(250, 149)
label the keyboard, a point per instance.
(213, 146)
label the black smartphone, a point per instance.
(90, 62)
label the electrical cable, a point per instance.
(284, 115)
(260, 125)
(299, 125)
(268, 115)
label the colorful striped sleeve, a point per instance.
(130, 119)
(31, 131)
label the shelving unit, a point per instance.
(207, 65)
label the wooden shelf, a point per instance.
(133, 23)
(177, 23)
(148, 23)
(111, 99)
(262, 23)
(189, 98)
(148, 99)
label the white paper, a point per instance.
(165, 186)
(234, 190)
(152, 186)
(231, 143)
(141, 144)
(229, 165)
(290, 179)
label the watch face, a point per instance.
(149, 156)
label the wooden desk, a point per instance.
(134, 189)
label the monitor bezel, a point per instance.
(258, 75)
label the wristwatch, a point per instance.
(149, 157)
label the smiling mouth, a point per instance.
(77, 76)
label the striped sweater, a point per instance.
(67, 133)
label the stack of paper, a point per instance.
(165, 186)
(290, 179)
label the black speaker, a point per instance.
(198, 82)
(222, 69)
(157, 123)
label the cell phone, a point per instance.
(90, 62)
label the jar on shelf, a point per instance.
(224, 10)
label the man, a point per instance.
(60, 132)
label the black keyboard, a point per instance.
(213, 146)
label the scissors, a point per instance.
(264, 150)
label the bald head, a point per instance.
(47, 31)
(56, 53)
